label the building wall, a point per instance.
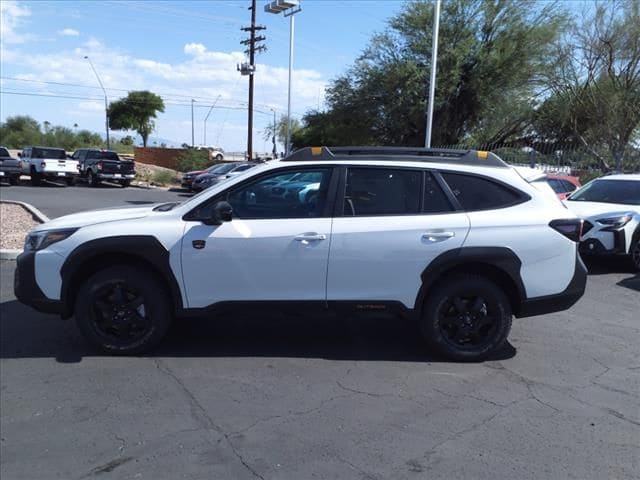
(162, 157)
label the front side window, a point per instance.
(382, 191)
(279, 195)
(477, 193)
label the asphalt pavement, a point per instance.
(337, 398)
(57, 199)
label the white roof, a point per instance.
(622, 176)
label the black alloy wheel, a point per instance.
(123, 310)
(635, 253)
(119, 315)
(466, 317)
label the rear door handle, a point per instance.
(307, 238)
(437, 236)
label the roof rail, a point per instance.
(416, 154)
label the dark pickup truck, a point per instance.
(96, 165)
(10, 168)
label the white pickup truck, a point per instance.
(48, 163)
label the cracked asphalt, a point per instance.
(326, 398)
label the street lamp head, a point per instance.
(277, 6)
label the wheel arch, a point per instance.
(499, 264)
(90, 257)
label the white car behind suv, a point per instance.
(455, 240)
(610, 207)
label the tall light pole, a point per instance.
(204, 142)
(288, 8)
(432, 81)
(106, 106)
(193, 135)
(275, 150)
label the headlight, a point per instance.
(617, 221)
(39, 240)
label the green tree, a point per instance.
(595, 83)
(19, 131)
(281, 129)
(136, 112)
(492, 56)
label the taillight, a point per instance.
(570, 228)
(99, 165)
(43, 165)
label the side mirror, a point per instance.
(20, 154)
(220, 212)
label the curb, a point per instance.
(7, 254)
(37, 214)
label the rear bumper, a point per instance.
(26, 288)
(558, 302)
(50, 174)
(116, 176)
(10, 172)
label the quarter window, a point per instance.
(477, 193)
(382, 191)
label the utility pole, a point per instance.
(250, 68)
(275, 150)
(193, 136)
(204, 142)
(106, 105)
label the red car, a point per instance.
(563, 185)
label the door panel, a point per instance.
(381, 258)
(256, 260)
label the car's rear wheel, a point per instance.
(125, 183)
(123, 310)
(92, 180)
(70, 181)
(634, 252)
(219, 157)
(36, 178)
(466, 318)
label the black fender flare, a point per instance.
(85, 258)
(501, 261)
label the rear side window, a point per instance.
(477, 193)
(382, 191)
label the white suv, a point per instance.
(455, 240)
(610, 207)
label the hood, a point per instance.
(194, 172)
(92, 217)
(597, 209)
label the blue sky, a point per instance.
(181, 50)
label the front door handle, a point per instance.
(306, 238)
(437, 236)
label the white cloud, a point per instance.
(202, 74)
(69, 32)
(11, 18)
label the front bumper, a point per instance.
(595, 245)
(26, 288)
(560, 301)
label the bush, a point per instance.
(163, 177)
(192, 159)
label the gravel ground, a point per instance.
(15, 223)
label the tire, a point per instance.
(70, 181)
(219, 157)
(125, 183)
(455, 318)
(109, 314)
(15, 180)
(92, 180)
(36, 178)
(634, 252)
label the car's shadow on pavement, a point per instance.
(605, 265)
(28, 334)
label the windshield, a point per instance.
(625, 192)
(221, 168)
(55, 153)
(106, 155)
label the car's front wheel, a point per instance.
(634, 252)
(123, 310)
(466, 318)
